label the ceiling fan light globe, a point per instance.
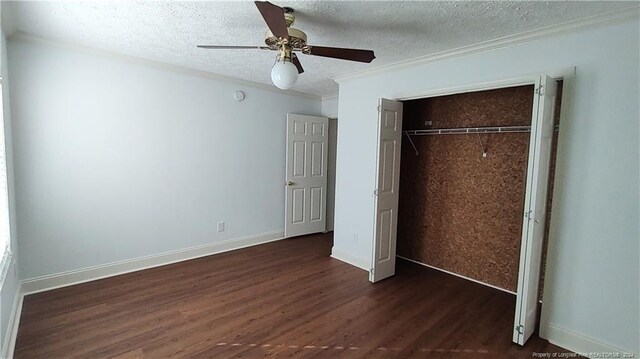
(284, 74)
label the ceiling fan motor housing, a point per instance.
(297, 38)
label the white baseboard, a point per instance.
(457, 275)
(350, 259)
(58, 280)
(581, 344)
(9, 342)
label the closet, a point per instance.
(463, 184)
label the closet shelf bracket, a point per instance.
(411, 141)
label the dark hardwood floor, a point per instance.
(282, 299)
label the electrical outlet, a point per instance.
(221, 226)
(355, 238)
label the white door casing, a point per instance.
(386, 191)
(306, 174)
(331, 173)
(542, 127)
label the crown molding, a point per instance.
(627, 14)
(28, 37)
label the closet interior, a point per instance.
(463, 179)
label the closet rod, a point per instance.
(465, 130)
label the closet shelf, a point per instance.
(465, 130)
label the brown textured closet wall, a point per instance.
(459, 211)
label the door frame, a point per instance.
(331, 168)
(567, 75)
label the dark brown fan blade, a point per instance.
(232, 47)
(341, 53)
(295, 61)
(274, 17)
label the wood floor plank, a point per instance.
(285, 299)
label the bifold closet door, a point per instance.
(542, 127)
(386, 192)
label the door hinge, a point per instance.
(528, 215)
(520, 329)
(379, 108)
(375, 193)
(540, 90)
(371, 271)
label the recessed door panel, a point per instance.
(299, 158)
(390, 120)
(384, 235)
(317, 159)
(318, 129)
(316, 205)
(300, 127)
(297, 196)
(388, 165)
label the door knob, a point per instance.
(288, 183)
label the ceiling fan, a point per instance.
(287, 40)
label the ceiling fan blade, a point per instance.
(295, 61)
(341, 53)
(232, 47)
(274, 17)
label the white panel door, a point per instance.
(535, 206)
(386, 192)
(306, 174)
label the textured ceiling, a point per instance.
(395, 30)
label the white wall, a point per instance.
(119, 158)
(10, 285)
(595, 231)
(330, 106)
